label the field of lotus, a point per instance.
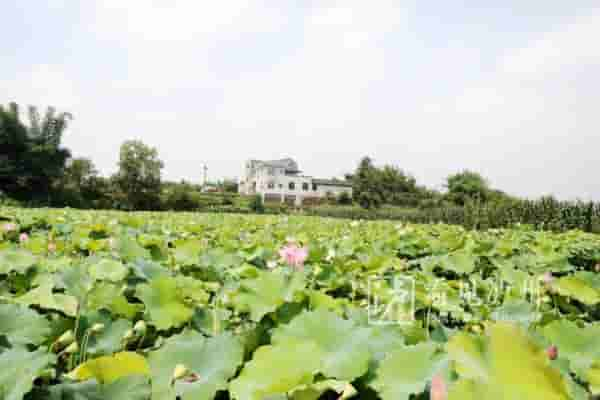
(133, 306)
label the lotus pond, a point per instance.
(133, 306)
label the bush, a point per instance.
(344, 199)
(256, 204)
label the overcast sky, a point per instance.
(507, 88)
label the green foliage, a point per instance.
(467, 185)
(344, 199)
(214, 361)
(31, 156)
(23, 326)
(200, 306)
(18, 370)
(164, 303)
(139, 175)
(256, 204)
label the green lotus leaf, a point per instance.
(469, 354)
(466, 389)
(213, 361)
(407, 371)
(461, 262)
(76, 281)
(188, 253)
(592, 377)
(148, 270)
(107, 369)
(267, 292)
(192, 290)
(108, 270)
(21, 325)
(345, 353)
(16, 260)
(581, 346)
(506, 364)
(277, 369)
(133, 387)
(109, 339)
(130, 250)
(18, 370)
(315, 390)
(514, 310)
(164, 304)
(44, 297)
(579, 288)
(105, 295)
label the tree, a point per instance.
(467, 185)
(344, 199)
(256, 204)
(78, 172)
(31, 156)
(364, 184)
(139, 175)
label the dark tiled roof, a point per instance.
(288, 164)
(332, 182)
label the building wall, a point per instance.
(273, 183)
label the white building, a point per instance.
(280, 180)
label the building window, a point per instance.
(314, 185)
(305, 186)
(280, 186)
(292, 185)
(270, 185)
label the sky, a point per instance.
(507, 88)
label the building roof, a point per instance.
(289, 164)
(332, 182)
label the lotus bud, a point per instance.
(179, 372)
(72, 348)
(140, 328)
(439, 389)
(97, 328)
(130, 334)
(546, 299)
(66, 338)
(552, 352)
(476, 329)
(349, 391)
(597, 267)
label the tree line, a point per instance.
(36, 169)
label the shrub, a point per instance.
(256, 204)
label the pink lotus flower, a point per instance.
(547, 278)
(9, 226)
(23, 237)
(552, 352)
(294, 255)
(51, 247)
(439, 390)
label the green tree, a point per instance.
(31, 156)
(79, 172)
(467, 185)
(256, 204)
(365, 184)
(139, 176)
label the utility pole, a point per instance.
(205, 169)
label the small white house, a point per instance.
(281, 180)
